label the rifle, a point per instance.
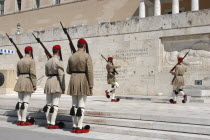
(111, 62)
(18, 51)
(45, 49)
(179, 62)
(73, 50)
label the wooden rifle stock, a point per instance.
(178, 62)
(73, 50)
(18, 51)
(111, 62)
(45, 49)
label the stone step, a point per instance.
(163, 98)
(144, 116)
(127, 131)
(139, 124)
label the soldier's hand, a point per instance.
(91, 89)
(34, 87)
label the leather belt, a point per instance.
(53, 75)
(180, 75)
(24, 73)
(78, 72)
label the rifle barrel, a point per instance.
(73, 50)
(43, 46)
(18, 51)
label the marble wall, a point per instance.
(145, 48)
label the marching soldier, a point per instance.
(111, 79)
(54, 87)
(178, 81)
(80, 68)
(25, 86)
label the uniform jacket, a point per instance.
(178, 80)
(26, 72)
(110, 73)
(80, 68)
(56, 77)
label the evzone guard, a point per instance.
(80, 68)
(111, 79)
(54, 87)
(25, 86)
(178, 81)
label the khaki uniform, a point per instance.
(26, 72)
(54, 87)
(110, 70)
(56, 77)
(80, 68)
(111, 79)
(178, 81)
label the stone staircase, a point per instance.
(142, 124)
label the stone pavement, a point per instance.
(137, 118)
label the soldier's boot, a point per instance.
(107, 94)
(172, 101)
(19, 123)
(59, 125)
(19, 113)
(74, 129)
(26, 121)
(80, 115)
(185, 99)
(30, 121)
(48, 126)
(85, 129)
(115, 100)
(54, 112)
(46, 110)
(74, 118)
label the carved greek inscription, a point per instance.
(130, 54)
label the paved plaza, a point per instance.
(131, 118)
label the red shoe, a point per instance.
(114, 100)
(85, 129)
(185, 99)
(74, 129)
(19, 123)
(107, 94)
(27, 123)
(172, 101)
(48, 126)
(54, 127)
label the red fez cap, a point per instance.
(110, 58)
(82, 41)
(28, 48)
(56, 47)
(180, 58)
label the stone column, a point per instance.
(157, 8)
(175, 6)
(141, 9)
(194, 5)
(9, 6)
